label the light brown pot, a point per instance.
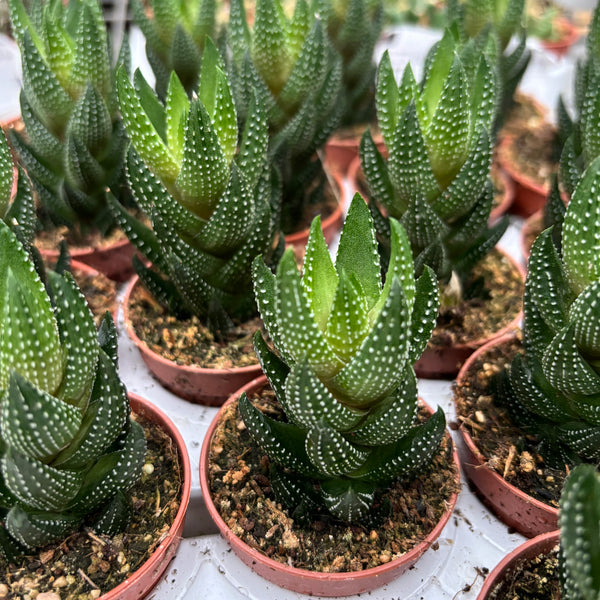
(508, 195)
(145, 578)
(196, 384)
(114, 260)
(513, 506)
(570, 35)
(542, 544)
(301, 580)
(341, 150)
(444, 362)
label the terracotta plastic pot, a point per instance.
(196, 384)
(513, 506)
(145, 578)
(504, 570)
(532, 227)
(301, 580)
(569, 36)
(114, 261)
(444, 362)
(530, 195)
(331, 225)
(342, 150)
(508, 194)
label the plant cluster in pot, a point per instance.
(78, 474)
(73, 142)
(337, 441)
(212, 203)
(530, 413)
(436, 181)
(559, 564)
(291, 65)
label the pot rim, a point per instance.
(470, 443)
(304, 574)
(144, 348)
(77, 252)
(141, 405)
(540, 544)
(570, 34)
(512, 170)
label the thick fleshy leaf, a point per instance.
(376, 174)
(273, 367)
(584, 314)
(346, 499)
(37, 529)
(6, 175)
(254, 143)
(583, 438)
(424, 315)
(177, 107)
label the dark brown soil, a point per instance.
(499, 187)
(189, 341)
(507, 448)
(86, 565)
(325, 208)
(239, 482)
(479, 317)
(51, 239)
(525, 113)
(536, 579)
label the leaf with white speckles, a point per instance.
(584, 314)
(346, 499)
(37, 529)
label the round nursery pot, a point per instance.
(304, 581)
(507, 186)
(342, 149)
(530, 195)
(145, 578)
(444, 362)
(514, 507)
(569, 35)
(331, 224)
(114, 260)
(197, 384)
(511, 563)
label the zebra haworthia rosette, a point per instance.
(436, 177)
(211, 198)
(554, 389)
(74, 141)
(69, 450)
(579, 522)
(343, 370)
(175, 31)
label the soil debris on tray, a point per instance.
(508, 449)
(238, 477)
(86, 565)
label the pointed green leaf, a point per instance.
(177, 107)
(377, 177)
(346, 499)
(37, 529)
(424, 314)
(584, 314)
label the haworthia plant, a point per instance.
(581, 135)
(175, 31)
(212, 198)
(292, 66)
(74, 142)
(354, 27)
(554, 389)
(436, 177)
(579, 521)
(343, 369)
(69, 451)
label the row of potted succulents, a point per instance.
(333, 445)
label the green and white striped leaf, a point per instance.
(584, 315)
(273, 367)
(424, 314)
(177, 107)
(6, 175)
(347, 499)
(582, 438)
(254, 144)
(38, 529)
(377, 177)
(330, 452)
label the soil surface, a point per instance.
(241, 491)
(86, 565)
(535, 579)
(525, 113)
(51, 239)
(485, 314)
(189, 341)
(508, 449)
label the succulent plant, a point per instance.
(293, 67)
(212, 201)
(343, 371)
(69, 450)
(74, 140)
(553, 390)
(175, 31)
(581, 136)
(354, 27)
(579, 521)
(436, 177)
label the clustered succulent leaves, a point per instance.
(581, 136)
(553, 390)
(212, 198)
(74, 140)
(69, 451)
(342, 370)
(175, 31)
(436, 177)
(579, 521)
(292, 66)
(354, 27)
